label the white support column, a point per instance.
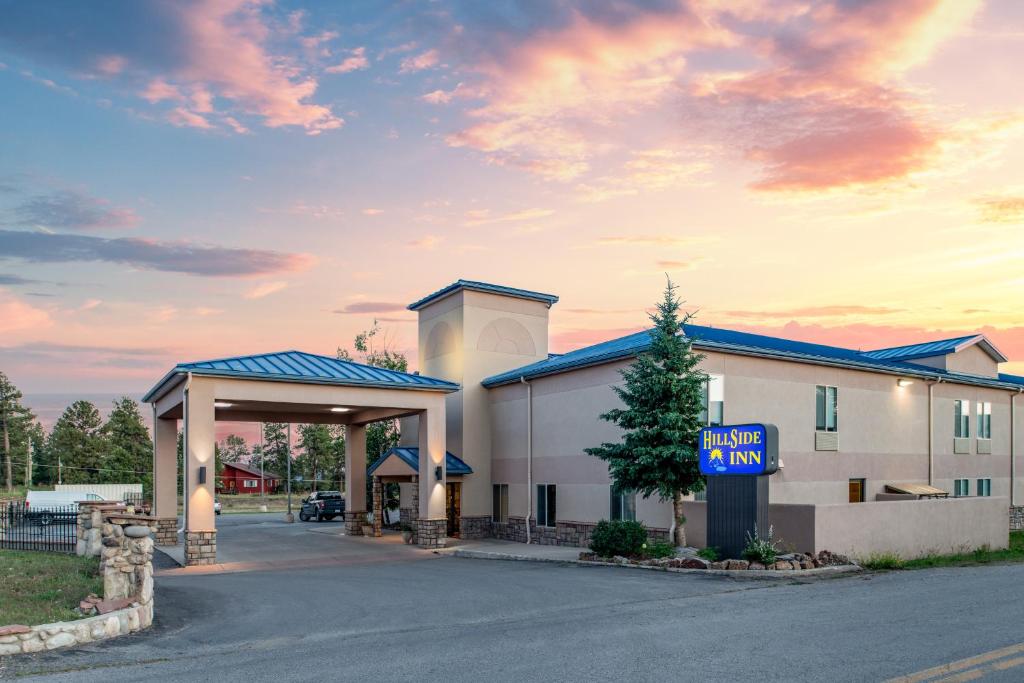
(355, 479)
(200, 524)
(165, 479)
(432, 523)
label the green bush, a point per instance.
(709, 554)
(763, 550)
(659, 549)
(882, 561)
(609, 539)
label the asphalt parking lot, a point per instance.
(421, 616)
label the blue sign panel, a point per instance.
(751, 449)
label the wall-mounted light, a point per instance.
(903, 382)
(339, 409)
(202, 475)
(437, 473)
(222, 404)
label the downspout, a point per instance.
(529, 455)
(184, 453)
(1013, 443)
(931, 431)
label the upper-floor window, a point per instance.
(546, 498)
(962, 419)
(827, 409)
(713, 401)
(984, 420)
(623, 505)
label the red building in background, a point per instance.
(239, 478)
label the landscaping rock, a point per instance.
(737, 564)
(136, 531)
(807, 564)
(718, 565)
(60, 640)
(755, 565)
(694, 563)
(14, 629)
(782, 565)
(108, 606)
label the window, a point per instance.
(713, 398)
(984, 420)
(546, 514)
(962, 419)
(623, 505)
(500, 510)
(984, 487)
(827, 409)
(960, 488)
(250, 483)
(856, 490)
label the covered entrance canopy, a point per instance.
(298, 387)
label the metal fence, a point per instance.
(53, 528)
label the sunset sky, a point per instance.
(186, 180)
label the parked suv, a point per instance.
(321, 505)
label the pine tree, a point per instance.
(234, 449)
(13, 417)
(130, 459)
(315, 453)
(275, 447)
(663, 395)
(78, 443)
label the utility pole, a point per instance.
(288, 455)
(59, 469)
(28, 466)
(263, 483)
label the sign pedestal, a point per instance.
(736, 507)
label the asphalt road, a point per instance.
(424, 617)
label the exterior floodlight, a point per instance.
(222, 404)
(904, 382)
(339, 409)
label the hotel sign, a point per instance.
(751, 449)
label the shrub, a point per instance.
(609, 539)
(882, 561)
(710, 554)
(659, 549)
(763, 550)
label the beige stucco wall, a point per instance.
(883, 433)
(860, 529)
(490, 334)
(972, 361)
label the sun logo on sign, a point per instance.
(716, 455)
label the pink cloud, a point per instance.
(420, 62)
(182, 117)
(16, 315)
(111, 65)
(569, 340)
(355, 61)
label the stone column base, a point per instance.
(431, 533)
(354, 522)
(475, 527)
(166, 531)
(200, 547)
(378, 506)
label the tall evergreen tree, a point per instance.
(130, 458)
(234, 449)
(275, 448)
(13, 419)
(314, 454)
(78, 443)
(663, 393)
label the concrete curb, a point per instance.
(752, 574)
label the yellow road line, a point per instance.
(962, 665)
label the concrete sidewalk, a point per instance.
(493, 549)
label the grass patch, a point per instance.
(39, 588)
(1014, 553)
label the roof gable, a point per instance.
(251, 470)
(410, 455)
(941, 347)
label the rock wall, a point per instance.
(574, 534)
(126, 565)
(1017, 518)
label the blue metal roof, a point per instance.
(923, 350)
(298, 366)
(475, 286)
(1012, 379)
(718, 339)
(410, 455)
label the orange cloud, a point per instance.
(1001, 209)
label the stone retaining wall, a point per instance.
(166, 531)
(475, 527)
(90, 526)
(1017, 518)
(126, 565)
